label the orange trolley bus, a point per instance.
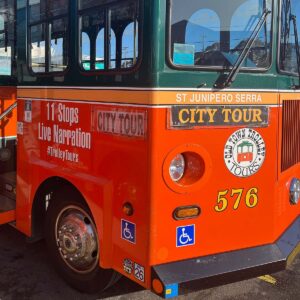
(158, 140)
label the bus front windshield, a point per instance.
(213, 33)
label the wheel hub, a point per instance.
(77, 239)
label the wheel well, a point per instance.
(44, 194)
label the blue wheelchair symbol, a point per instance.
(185, 235)
(128, 231)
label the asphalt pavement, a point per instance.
(27, 273)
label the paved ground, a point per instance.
(26, 273)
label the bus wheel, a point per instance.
(73, 245)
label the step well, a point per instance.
(8, 186)
(6, 204)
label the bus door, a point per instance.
(8, 113)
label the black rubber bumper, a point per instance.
(204, 272)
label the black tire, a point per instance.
(64, 207)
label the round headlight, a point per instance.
(295, 191)
(176, 169)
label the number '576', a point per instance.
(234, 197)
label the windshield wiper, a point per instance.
(239, 62)
(294, 20)
(285, 30)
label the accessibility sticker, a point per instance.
(185, 235)
(128, 231)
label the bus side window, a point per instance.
(112, 45)
(130, 45)
(38, 56)
(58, 59)
(6, 38)
(99, 64)
(288, 49)
(112, 31)
(48, 29)
(86, 51)
(100, 50)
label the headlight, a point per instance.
(176, 169)
(295, 191)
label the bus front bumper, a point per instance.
(199, 273)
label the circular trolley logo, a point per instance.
(244, 152)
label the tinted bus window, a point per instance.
(38, 48)
(207, 34)
(7, 37)
(57, 7)
(92, 3)
(41, 9)
(290, 26)
(37, 10)
(48, 35)
(109, 34)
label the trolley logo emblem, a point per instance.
(128, 231)
(244, 152)
(185, 235)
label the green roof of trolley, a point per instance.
(245, 143)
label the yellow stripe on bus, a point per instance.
(148, 97)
